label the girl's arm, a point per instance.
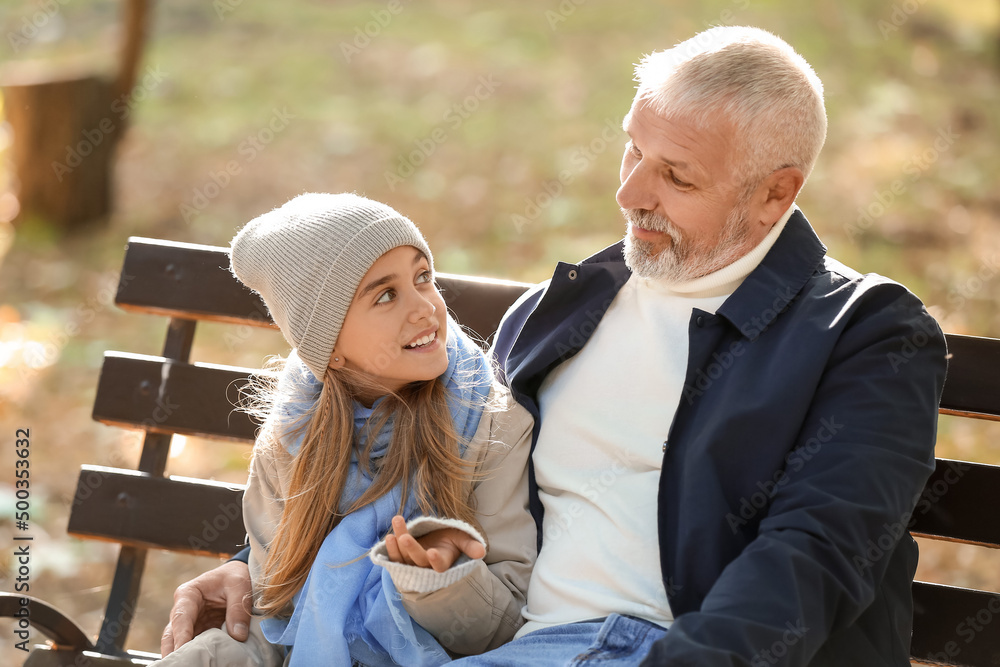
(482, 609)
(263, 504)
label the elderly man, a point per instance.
(724, 421)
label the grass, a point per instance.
(888, 97)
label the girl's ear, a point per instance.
(337, 360)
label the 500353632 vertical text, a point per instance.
(21, 562)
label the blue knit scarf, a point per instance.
(352, 611)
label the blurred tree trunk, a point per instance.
(65, 129)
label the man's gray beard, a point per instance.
(681, 261)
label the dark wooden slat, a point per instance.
(479, 304)
(958, 504)
(129, 394)
(185, 280)
(972, 388)
(955, 625)
(142, 391)
(194, 281)
(178, 514)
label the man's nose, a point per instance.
(636, 191)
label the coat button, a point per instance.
(572, 274)
(664, 446)
(700, 321)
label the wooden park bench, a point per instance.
(164, 395)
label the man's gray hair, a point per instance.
(768, 92)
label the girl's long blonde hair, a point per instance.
(423, 456)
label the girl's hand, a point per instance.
(437, 549)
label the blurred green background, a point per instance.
(461, 115)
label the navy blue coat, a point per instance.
(801, 443)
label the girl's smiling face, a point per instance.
(396, 327)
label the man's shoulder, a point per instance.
(862, 302)
(798, 261)
(839, 271)
(833, 275)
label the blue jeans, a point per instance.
(620, 640)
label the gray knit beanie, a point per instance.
(307, 258)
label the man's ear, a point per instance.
(780, 189)
(337, 360)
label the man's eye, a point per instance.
(678, 182)
(387, 296)
(634, 151)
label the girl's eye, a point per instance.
(425, 277)
(386, 296)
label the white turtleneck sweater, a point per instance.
(605, 415)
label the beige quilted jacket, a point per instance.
(482, 609)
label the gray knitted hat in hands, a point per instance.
(307, 259)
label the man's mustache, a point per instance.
(652, 221)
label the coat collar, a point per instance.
(578, 295)
(765, 292)
(780, 276)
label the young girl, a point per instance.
(385, 423)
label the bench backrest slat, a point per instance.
(156, 394)
(185, 280)
(973, 385)
(951, 505)
(194, 281)
(942, 631)
(190, 516)
(479, 304)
